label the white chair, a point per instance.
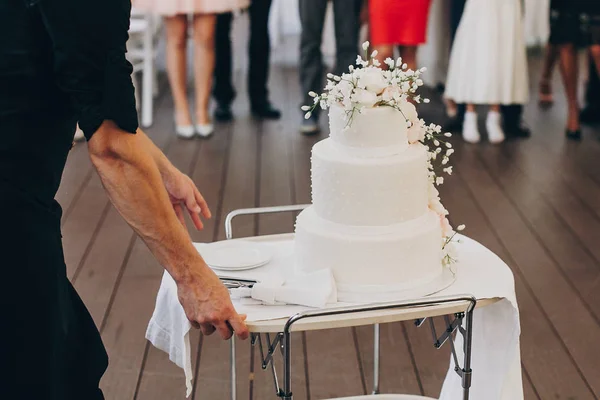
(144, 33)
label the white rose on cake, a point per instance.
(409, 111)
(416, 133)
(372, 79)
(364, 97)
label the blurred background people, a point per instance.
(574, 24)
(488, 64)
(259, 51)
(200, 16)
(591, 111)
(401, 23)
(512, 114)
(347, 25)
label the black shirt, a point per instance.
(577, 6)
(61, 62)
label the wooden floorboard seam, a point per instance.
(257, 178)
(305, 356)
(541, 242)
(197, 368)
(516, 269)
(556, 212)
(113, 294)
(141, 373)
(77, 196)
(528, 379)
(361, 369)
(91, 242)
(413, 358)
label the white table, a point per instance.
(459, 307)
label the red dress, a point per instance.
(398, 22)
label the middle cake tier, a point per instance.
(351, 190)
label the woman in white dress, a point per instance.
(488, 64)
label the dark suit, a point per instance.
(259, 52)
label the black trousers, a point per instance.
(50, 348)
(259, 53)
(347, 25)
(512, 113)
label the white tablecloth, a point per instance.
(496, 352)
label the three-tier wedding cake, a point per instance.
(376, 220)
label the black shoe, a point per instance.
(310, 126)
(517, 131)
(590, 115)
(266, 111)
(223, 113)
(454, 124)
(573, 135)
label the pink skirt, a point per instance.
(174, 7)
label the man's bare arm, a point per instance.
(145, 187)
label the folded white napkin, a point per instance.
(169, 327)
(316, 289)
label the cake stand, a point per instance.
(273, 336)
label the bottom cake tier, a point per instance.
(373, 263)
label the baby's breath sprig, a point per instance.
(439, 152)
(368, 85)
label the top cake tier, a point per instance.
(374, 132)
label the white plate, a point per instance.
(235, 255)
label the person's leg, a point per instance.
(591, 111)
(569, 72)
(512, 116)
(409, 56)
(595, 66)
(470, 129)
(383, 51)
(312, 18)
(259, 49)
(456, 12)
(223, 90)
(346, 16)
(204, 63)
(545, 88)
(176, 29)
(493, 125)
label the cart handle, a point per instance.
(428, 302)
(258, 210)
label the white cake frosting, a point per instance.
(399, 255)
(368, 191)
(370, 222)
(380, 131)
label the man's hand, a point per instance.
(135, 174)
(184, 193)
(208, 306)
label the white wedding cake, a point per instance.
(375, 220)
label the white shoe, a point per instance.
(470, 131)
(494, 127)
(205, 130)
(185, 131)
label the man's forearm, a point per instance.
(130, 168)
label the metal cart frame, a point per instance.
(461, 323)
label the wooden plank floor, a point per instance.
(535, 202)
